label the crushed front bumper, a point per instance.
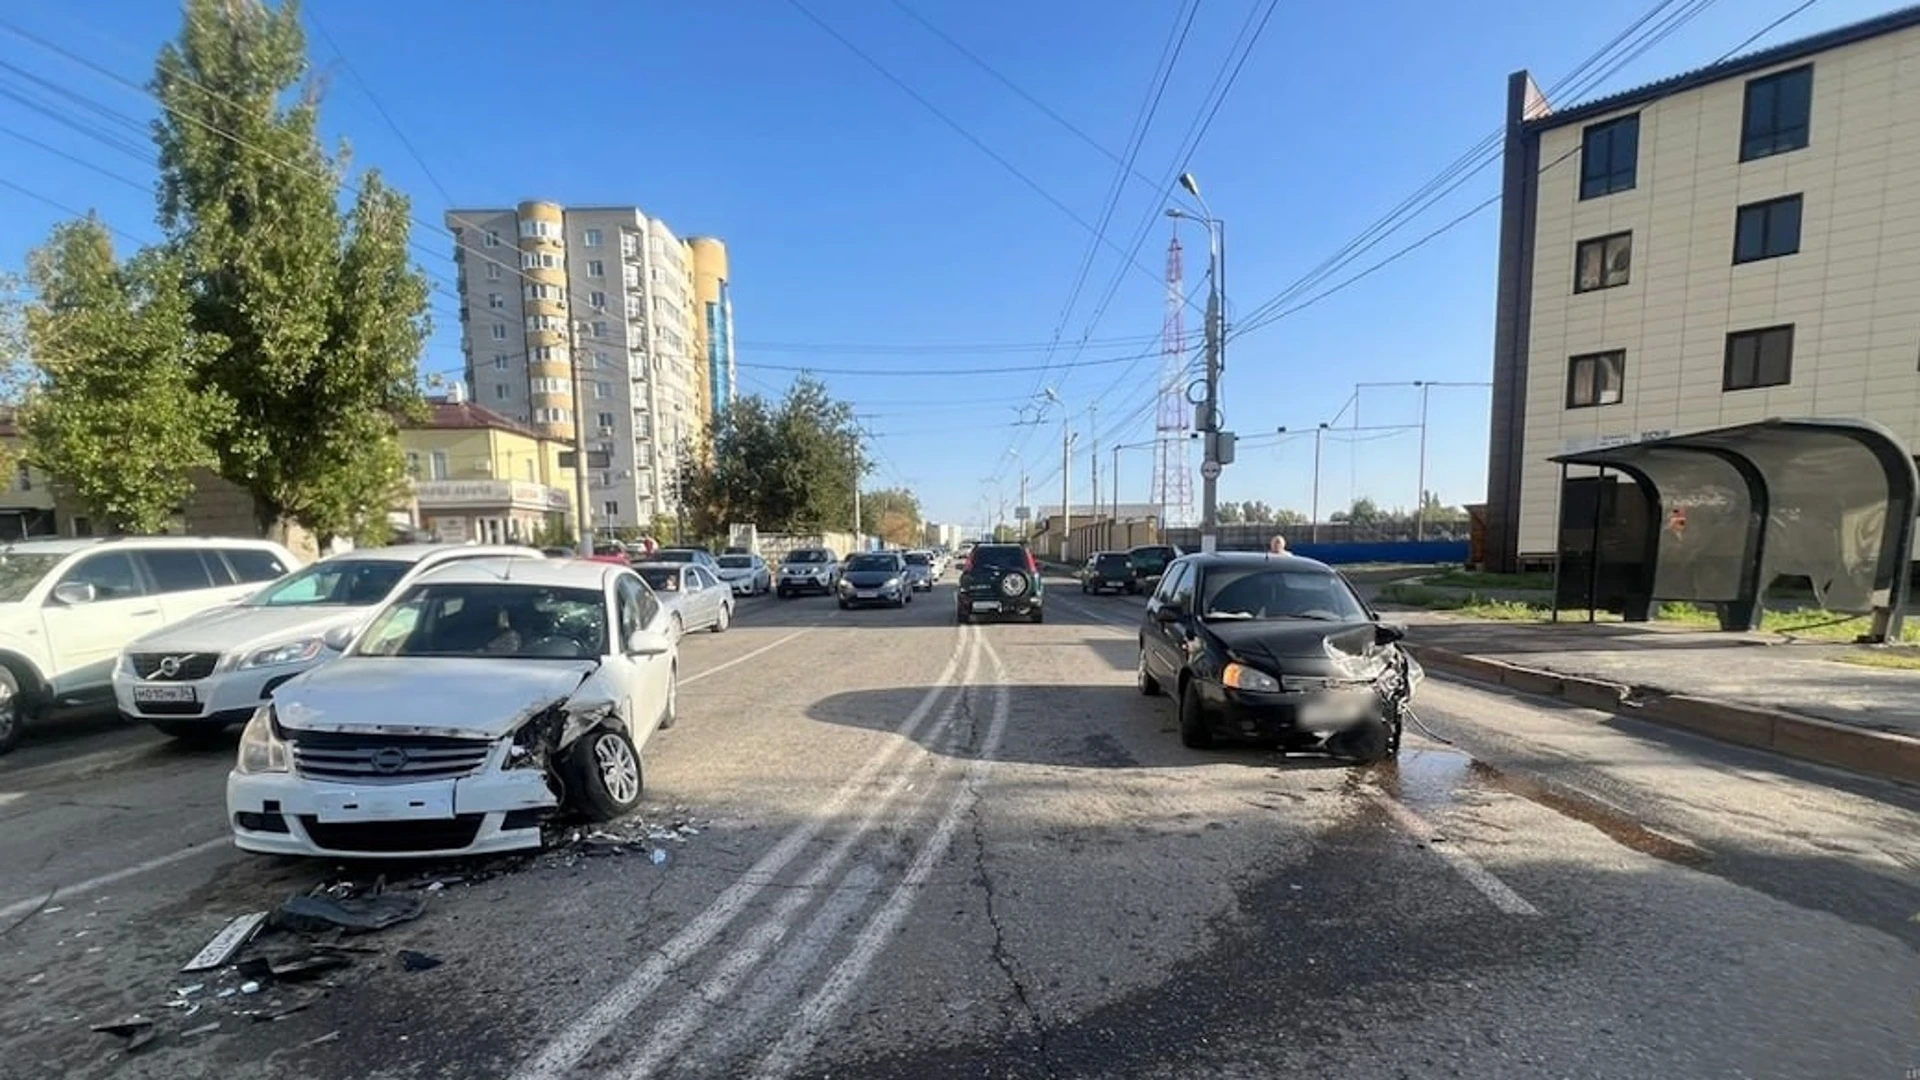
(1286, 716)
(487, 812)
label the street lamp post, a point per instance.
(1214, 455)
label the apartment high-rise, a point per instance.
(548, 291)
(713, 323)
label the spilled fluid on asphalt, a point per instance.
(1438, 778)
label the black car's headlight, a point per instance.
(1242, 677)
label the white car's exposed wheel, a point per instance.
(670, 711)
(10, 710)
(724, 619)
(607, 779)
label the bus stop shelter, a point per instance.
(1719, 517)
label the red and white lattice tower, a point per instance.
(1172, 469)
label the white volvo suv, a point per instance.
(68, 606)
(198, 677)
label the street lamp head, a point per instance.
(1175, 212)
(1193, 186)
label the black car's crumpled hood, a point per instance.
(868, 579)
(1304, 646)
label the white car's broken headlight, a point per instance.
(261, 748)
(291, 652)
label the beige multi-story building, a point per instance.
(604, 291)
(1732, 244)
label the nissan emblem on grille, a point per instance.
(388, 760)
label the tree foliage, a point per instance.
(311, 316)
(114, 412)
(786, 467)
(892, 514)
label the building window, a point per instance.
(596, 268)
(495, 300)
(501, 392)
(1778, 110)
(493, 270)
(1603, 262)
(1595, 379)
(629, 244)
(1766, 230)
(1758, 358)
(632, 277)
(597, 300)
(606, 420)
(413, 464)
(1609, 154)
(600, 328)
(499, 331)
(600, 390)
(437, 465)
(82, 526)
(493, 239)
(612, 508)
(499, 361)
(590, 238)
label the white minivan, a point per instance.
(67, 607)
(201, 675)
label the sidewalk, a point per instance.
(1757, 690)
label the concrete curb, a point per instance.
(1874, 753)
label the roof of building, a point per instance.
(445, 414)
(1734, 67)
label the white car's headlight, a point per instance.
(291, 652)
(261, 750)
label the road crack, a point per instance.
(1002, 957)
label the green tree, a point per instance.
(1256, 512)
(892, 514)
(115, 414)
(1290, 517)
(786, 468)
(312, 314)
(1229, 513)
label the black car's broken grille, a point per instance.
(445, 834)
(386, 759)
(184, 665)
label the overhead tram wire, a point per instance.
(1273, 316)
(374, 100)
(1578, 82)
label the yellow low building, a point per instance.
(477, 475)
(26, 495)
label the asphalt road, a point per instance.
(923, 851)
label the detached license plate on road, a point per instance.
(986, 605)
(1338, 708)
(165, 693)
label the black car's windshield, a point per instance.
(20, 572)
(1110, 563)
(662, 578)
(870, 563)
(919, 558)
(525, 622)
(807, 556)
(343, 582)
(1151, 558)
(1001, 555)
(735, 562)
(1253, 592)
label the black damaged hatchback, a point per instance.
(1278, 649)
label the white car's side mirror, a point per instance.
(338, 638)
(75, 592)
(648, 643)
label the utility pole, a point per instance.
(1093, 458)
(1217, 450)
(1066, 490)
(1026, 526)
(859, 467)
(1420, 509)
(1318, 434)
(583, 515)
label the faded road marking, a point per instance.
(1478, 876)
(14, 910)
(718, 668)
(580, 1037)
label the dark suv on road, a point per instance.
(1149, 561)
(999, 579)
(1107, 570)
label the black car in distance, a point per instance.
(875, 577)
(1107, 570)
(1148, 562)
(1000, 579)
(1275, 648)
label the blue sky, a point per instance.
(856, 216)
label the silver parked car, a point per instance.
(922, 570)
(748, 574)
(695, 598)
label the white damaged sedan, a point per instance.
(484, 698)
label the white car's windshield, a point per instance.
(20, 572)
(493, 620)
(807, 556)
(345, 582)
(736, 562)
(1257, 593)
